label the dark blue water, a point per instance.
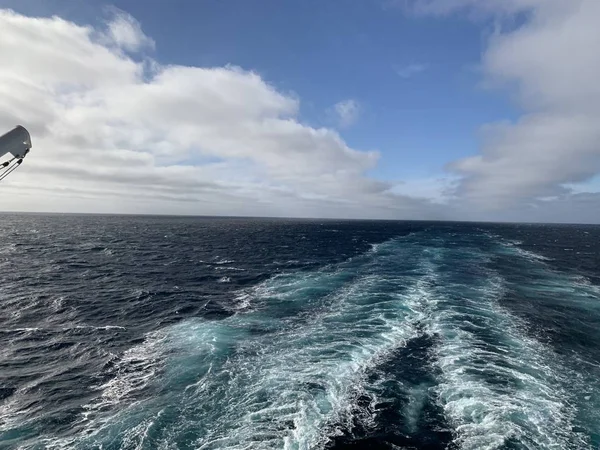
(208, 333)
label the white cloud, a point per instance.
(548, 60)
(347, 112)
(126, 32)
(437, 189)
(115, 134)
(475, 8)
(410, 70)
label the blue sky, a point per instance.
(325, 54)
(418, 77)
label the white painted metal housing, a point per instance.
(17, 142)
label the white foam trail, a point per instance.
(8, 249)
(11, 414)
(237, 269)
(57, 303)
(291, 363)
(134, 370)
(516, 247)
(497, 384)
(282, 387)
(573, 300)
(20, 330)
(315, 374)
(55, 329)
(224, 261)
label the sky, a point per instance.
(382, 109)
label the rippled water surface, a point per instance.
(125, 332)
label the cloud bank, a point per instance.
(115, 131)
(550, 64)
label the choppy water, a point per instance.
(189, 333)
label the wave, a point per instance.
(59, 329)
(499, 391)
(515, 246)
(237, 269)
(560, 307)
(219, 261)
(134, 370)
(282, 375)
(498, 386)
(8, 249)
(293, 367)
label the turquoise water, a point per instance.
(311, 335)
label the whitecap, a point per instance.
(275, 380)
(134, 370)
(526, 401)
(515, 246)
(224, 261)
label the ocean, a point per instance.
(140, 332)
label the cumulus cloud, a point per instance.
(410, 70)
(347, 112)
(116, 132)
(126, 32)
(548, 60)
(112, 133)
(436, 189)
